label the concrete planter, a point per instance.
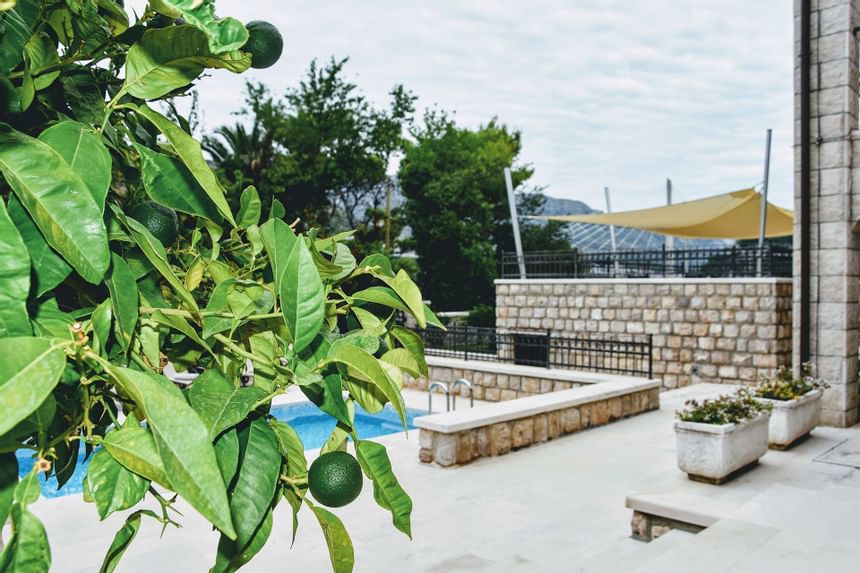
(792, 420)
(714, 454)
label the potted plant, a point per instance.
(719, 438)
(795, 403)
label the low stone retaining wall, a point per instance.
(461, 436)
(497, 381)
(723, 330)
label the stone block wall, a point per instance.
(457, 448)
(488, 385)
(704, 330)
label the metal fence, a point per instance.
(612, 353)
(771, 261)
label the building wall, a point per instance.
(704, 330)
(835, 203)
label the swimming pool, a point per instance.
(312, 425)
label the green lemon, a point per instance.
(265, 44)
(159, 220)
(335, 479)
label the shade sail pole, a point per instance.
(763, 226)
(611, 230)
(515, 223)
(670, 240)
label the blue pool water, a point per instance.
(312, 425)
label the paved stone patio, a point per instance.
(557, 506)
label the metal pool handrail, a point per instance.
(444, 388)
(467, 384)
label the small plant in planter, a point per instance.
(796, 401)
(718, 438)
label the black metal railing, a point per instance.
(626, 354)
(771, 261)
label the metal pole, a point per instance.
(763, 227)
(670, 241)
(515, 222)
(611, 231)
(388, 215)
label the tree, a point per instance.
(96, 301)
(456, 205)
(327, 148)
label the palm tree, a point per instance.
(241, 154)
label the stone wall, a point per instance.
(493, 381)
(704, 330)
(495, 439)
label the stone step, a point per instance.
(630, 555)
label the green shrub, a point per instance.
(726, 409)
(784, 386)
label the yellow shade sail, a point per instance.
(734, 215)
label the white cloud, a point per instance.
(606, 92)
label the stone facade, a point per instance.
(704, 330)
(457, 448)
(488, 385)
(834, 203)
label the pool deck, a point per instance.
(558, 506)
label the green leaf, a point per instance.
(254, 488)
(432, 319)
(337, 539)
(380, 295)
(180, 324)
(227, 454)
(183, 443)
(189, 151)
(14, 279)
(101, 321)
(134, 447)
(410, 294)
(168, 182)
(29, 370)
(123, 539)
(85, 153)
(28, 550)
(296, 504)
(403, 359)
(413, 342)
(239, 298)
(58, 200)
(239, 558)
(40, 51)
(328, 396)
(8, 482)
(279, 241)
(386, 489)
(380, 261)
(112, 486)
(220, 403)
(291, 448)
(302, 297)
(18, 25)
(28, 489)
(50, 322)
(155, 253)
(277, 211)
(250, 208)
(124, 298)
(165, 59)
(224, 34)
(49, 268)
(365, 366)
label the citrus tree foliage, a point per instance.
(94, 305)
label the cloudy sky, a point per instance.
(618, 93)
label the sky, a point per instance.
(617, 93)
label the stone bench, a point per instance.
(495, 429)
